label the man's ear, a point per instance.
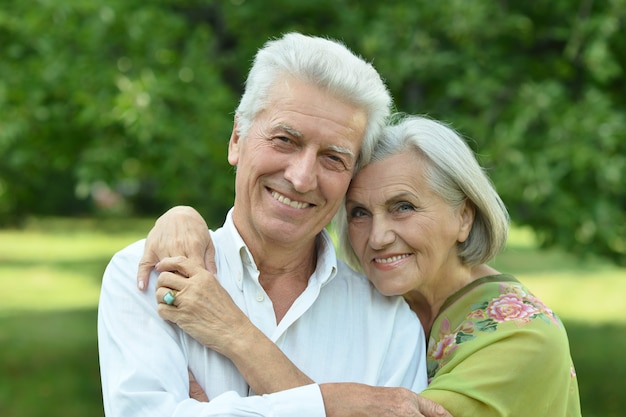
(233, 145)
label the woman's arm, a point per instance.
(205, 311)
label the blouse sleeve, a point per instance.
(518, 369)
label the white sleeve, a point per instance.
(143, 358)
(405, 359)
(301, 401)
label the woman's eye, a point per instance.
(357, 212)
(402, 207)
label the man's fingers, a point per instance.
(195, 390)
(430, 408)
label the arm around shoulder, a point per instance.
(144, 360)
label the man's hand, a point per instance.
(430, 408)
(180, 231)
(349, 399)
(195, 390)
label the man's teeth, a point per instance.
(390, 259)
(285, 200)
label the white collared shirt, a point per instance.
(340, 329)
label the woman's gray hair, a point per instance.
(454, 174)
(327, 64)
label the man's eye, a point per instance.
(336, 162)
(283, 143)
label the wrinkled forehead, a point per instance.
(308, 111)
(396, 173)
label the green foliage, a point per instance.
(540, 92)
(110, 99)
(126, 106)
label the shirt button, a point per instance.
(260, 297)
(239, 278)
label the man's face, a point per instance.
(295, 164)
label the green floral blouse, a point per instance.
(497, 350)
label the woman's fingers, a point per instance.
(181, 265)
(183, 279)
(181, 231)
(209, 258)
(191, 297)
(169, 287)
(167, 296)
(148, 260)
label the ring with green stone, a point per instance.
(169, 298)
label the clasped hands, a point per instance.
(202, 307)
(204, 310)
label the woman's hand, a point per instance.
(205, 311)
(202, 307)
(180, 231)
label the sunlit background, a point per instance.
(112, 111)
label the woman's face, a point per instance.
(404, 235)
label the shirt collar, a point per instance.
(237, 252)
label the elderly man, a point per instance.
(310, 113)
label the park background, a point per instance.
(111, 111)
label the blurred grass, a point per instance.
(589, 290)
(50, 275)
(57, 264)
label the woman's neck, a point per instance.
(427, 302)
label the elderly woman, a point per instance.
(422, 220)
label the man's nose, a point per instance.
(302, 171)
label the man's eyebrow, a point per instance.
(342, 150)
(296, 133)
(290, 130)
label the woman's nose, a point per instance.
(381, 235)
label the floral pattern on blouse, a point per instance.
(513, 304)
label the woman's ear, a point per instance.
(467, 212)
(233, 145)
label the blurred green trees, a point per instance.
(122, 105)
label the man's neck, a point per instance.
(284, 271)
